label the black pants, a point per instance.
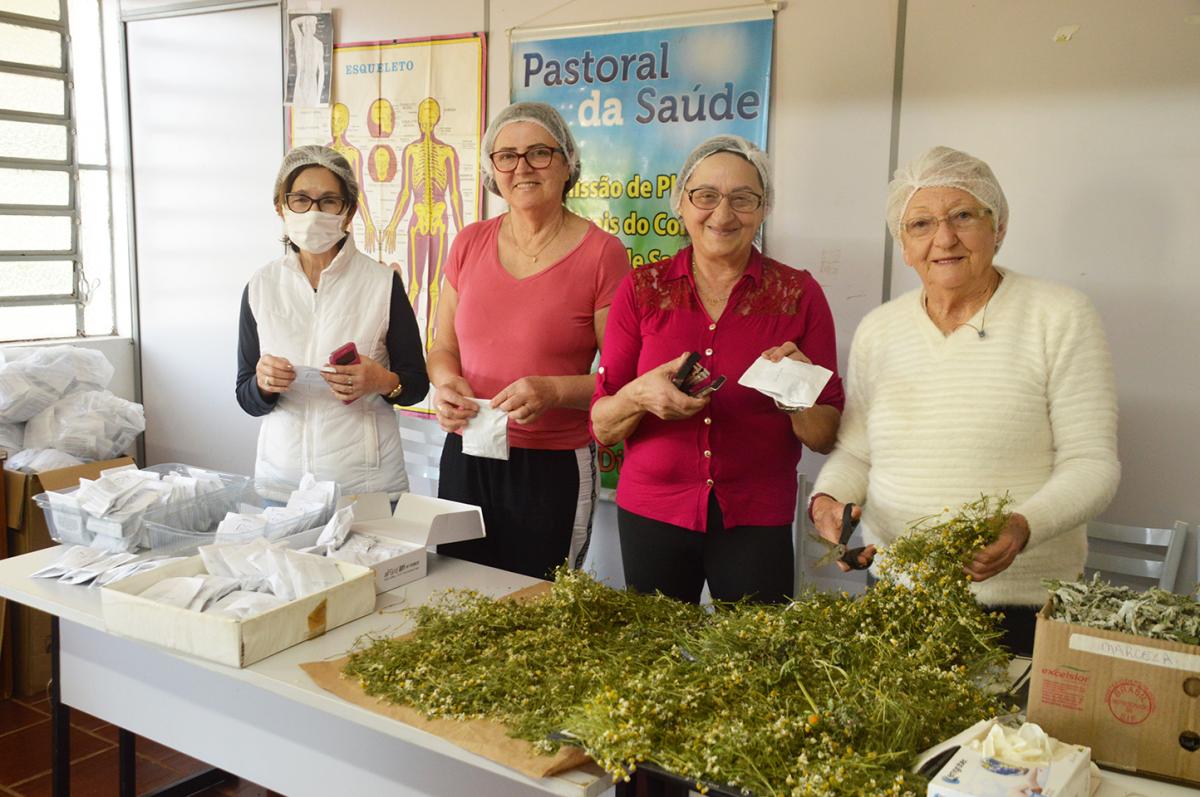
(743, 562)
(537, 507)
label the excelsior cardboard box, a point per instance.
(418, 522)
(1135, 701)
(27, 532)
(225, 639)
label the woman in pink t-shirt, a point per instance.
(519, 323)
(708, 484)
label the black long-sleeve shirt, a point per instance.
(403, 340)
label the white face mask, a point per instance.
(313, 231)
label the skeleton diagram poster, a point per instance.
(408, 115)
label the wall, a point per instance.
(1094, 141)
(203, 216)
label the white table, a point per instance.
(271, 724)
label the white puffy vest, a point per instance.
(357, 445)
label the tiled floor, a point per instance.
(25, 757)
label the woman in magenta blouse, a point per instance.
(708, 485)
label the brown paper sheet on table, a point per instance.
(484, 737)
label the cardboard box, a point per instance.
(227, 640)
(418, 522)
(968, 773)
(1135, 701)
(30, 629)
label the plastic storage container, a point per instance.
(73, 526)
(179, 531)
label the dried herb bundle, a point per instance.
(829, 695)
(1154, 613)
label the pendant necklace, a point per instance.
(534, 257)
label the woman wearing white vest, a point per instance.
(984, 380)
(297, 311)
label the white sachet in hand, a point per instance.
(486, 434)
(790, 383)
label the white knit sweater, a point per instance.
(1030, 409)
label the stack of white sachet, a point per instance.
(112, 506)
(338, 542)
(245, 580)
(309, 504)
(53, 399)
(96, 567)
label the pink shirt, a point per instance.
(543, 325)
(741, 446)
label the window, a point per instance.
(56, 219)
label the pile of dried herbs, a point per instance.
(828, 695)
(1154, 613)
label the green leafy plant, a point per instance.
(827, 695)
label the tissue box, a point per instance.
(419, 521)
(1134, 700)
(224, 639)
(968, 773)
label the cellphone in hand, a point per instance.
(687, 372)
(346, 354)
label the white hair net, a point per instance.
(738, 146)
(542, 115)
(943, 167)
(316, 155)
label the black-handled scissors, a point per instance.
(840, 552)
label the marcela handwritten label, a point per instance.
(1128, 651)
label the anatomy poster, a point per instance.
(408, 115)
(310, 51)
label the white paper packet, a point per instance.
(90, 571)
(790, 382)
(236, 525)
(241, 604)
(177, 591)
(73, 557)
(335, 531)
(486, 434)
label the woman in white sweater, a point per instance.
(984, 381)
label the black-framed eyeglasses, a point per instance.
(710, 199)
(962, 220)
(506, 160)
(302, 203)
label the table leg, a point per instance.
(126, 763)
(60, 724)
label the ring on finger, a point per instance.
(268, 381)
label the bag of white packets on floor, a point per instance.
(486, 434)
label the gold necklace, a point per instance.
(562, 222)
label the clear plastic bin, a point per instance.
(73, 526)
(178, 532)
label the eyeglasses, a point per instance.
(302, 203)
(710, 199)
(506, 160)
(965, 220)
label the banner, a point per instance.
(408, 115)
(638, 101)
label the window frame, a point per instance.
(69, 165)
